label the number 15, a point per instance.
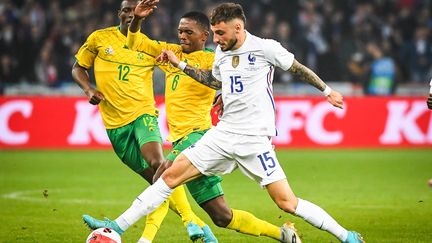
(236, 84)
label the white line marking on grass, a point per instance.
(27, 196)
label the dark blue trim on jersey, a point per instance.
(271, 99)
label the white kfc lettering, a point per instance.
(401, 123)
(7, 109)
(315, 124)
(298, 115)
(88, 123)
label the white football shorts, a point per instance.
(219, 152)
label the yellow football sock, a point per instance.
(247, 223)
(154, 221)
(179, 203)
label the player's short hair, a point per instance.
(121, 2)
(199, 17)
(226, 12)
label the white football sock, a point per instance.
(143, 240)
(319, 218)
(145, 203)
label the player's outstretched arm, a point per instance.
(203, 76)
(307, 75)
(142, 10)
(138, 41)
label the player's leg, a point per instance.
(180, 172)
(261, 165)
(148, 137)
(179, 203)
(147, 134)
(151, 198)
(125, 143)
(153, 223)
(256, 159)
(179, 146)
(283, 196)
(239, 220)
(208, 193)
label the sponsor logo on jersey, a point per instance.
(270, 173)
(140, 56)
(235, 61)
(109, 50)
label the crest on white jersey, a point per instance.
(252, 58)
(235, 61)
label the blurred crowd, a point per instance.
(375, 43)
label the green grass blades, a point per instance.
(383, 194)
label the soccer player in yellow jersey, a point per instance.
(124, 94)
(188, 105)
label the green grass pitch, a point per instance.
(381, 193)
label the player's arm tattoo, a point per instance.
(203, 76)
(307, 75)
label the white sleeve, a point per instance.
(277, 54)
(215, 72)
(215, 69)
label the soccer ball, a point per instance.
(103, 235)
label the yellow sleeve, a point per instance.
(210, 60)
(88, 52)
(140, 42)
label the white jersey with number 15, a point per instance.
(247, 91)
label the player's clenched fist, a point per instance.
(168, 56)
(94, 96)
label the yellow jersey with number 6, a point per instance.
(188, 102)
(122, 75)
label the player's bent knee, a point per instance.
(288, 206)
(221, 219)
(170, 179)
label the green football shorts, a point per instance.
(203, 188)
(128, 140)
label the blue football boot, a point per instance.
(93, 224)
(354, 237)
(195, 232)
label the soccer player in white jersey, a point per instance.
(243, 68)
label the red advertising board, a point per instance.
(71, 122)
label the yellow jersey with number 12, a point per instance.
(188, 102)
(122, 75)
